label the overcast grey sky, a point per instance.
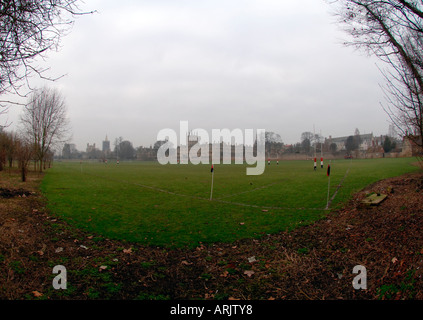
(136, 67)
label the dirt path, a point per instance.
(313, 262)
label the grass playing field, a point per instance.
(170, 205)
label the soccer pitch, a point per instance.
(170, 205)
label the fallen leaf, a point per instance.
(103, 268)
(394, 260)
(224, 274)
(252, 259)
(37, 294)
(232, 298)
(60, 249)
(127, 250)
(186, 263)
(41, 252)
(249, 273)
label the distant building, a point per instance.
(146, 154)
(106, 146)
(366, 141)
(90, 148)
(69, 151)
(411, 146)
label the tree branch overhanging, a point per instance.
(28, 30)
(392, 31)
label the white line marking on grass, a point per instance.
(248, 191)
(207, 199)
(339, 186)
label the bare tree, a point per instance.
(28, 30)
(12, 137)
(126, 150)
(333, 148)
(274, 143)
(350, 144)
(7, 148)
(45, 121)
(392, 30)
(357, 140)
(24, 154)
(15, 147)
(3, 148)
(307, 139)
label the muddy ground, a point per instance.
(314, 262)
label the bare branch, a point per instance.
(45, 121)
(391, 30)
(28, 30)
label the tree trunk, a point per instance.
(23, 173)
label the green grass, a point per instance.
(127, 201)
